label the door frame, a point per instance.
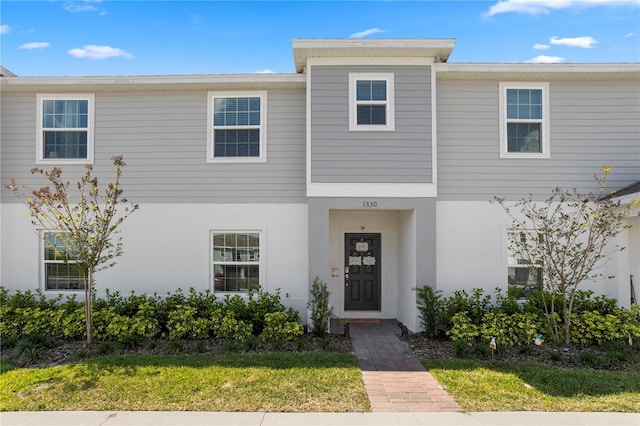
(377, 313)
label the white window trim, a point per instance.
(40, 98)
(43, 265)
(263, 127)
(261, 263)
(544, 122)
(390, 103)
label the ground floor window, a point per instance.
(524, 274)
(60, 272)
(236, 261)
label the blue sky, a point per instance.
(110, 37)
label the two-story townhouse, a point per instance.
(371, 168)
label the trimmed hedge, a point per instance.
(196, 315)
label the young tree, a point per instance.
(572, 234)
(86, 228)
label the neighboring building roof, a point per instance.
(438, 48)
(634, 188)
(5, 72)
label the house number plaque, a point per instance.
(362, 246)
(368, 261)
(355, 260)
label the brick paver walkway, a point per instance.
(393, 377)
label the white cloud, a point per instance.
(627, 35)
(585, 42)
(367, 33)
(99, 52)
(35, 45)
(265, 71)
(539, 46)
(535, 7)
(543, 59)
(84, 6)
(4, 29)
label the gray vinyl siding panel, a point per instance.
(592, 124)
(341, 156)
(163, 137)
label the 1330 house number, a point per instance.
(369, 204)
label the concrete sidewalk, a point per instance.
(166, 418)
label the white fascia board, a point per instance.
(141, 82)
(591, 71)
(520, 67)
(387, 190)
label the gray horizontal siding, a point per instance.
(592, 124)
(340, 156)
(163, 137)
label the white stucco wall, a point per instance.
(472, 252)
(167, 246)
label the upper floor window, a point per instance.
(65, 128)
(524, 115)
(237, 128)
(60, 270)
(236, 261)
(371, 102)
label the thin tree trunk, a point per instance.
(88, 311)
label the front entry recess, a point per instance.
(362, 272)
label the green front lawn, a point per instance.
(281, 382)
(520, 386)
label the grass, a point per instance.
(502, 386)
(282, 382)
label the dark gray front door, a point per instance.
(362, 272)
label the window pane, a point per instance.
(65, 144)
(61, 276)
(523, 281)
(236, 277)
(371, 114)
(371, 90)
(363, 90)
(65, 114)
(242, 104)
(237, 143)
(524, 137)
(230, 119)
(524, 104)
(379, 90)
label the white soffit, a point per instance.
(440, 49)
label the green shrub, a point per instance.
(463, 329)
(430, 310)
(321, 311)
(475, 306)
(109, 325)
(508, 304)
(510, 330)
(183, 323)
(226, 326)
(596, 328)
(278, 327)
